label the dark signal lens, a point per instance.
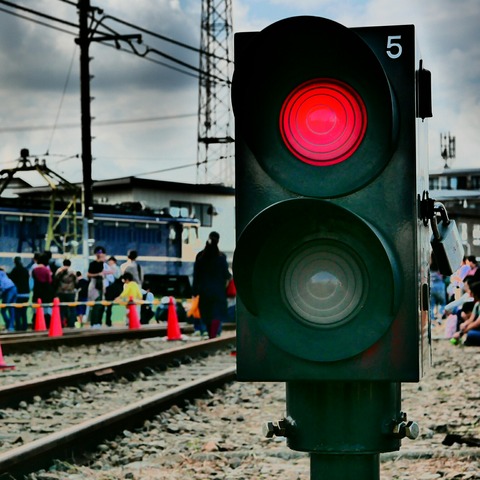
(323, 121)
(325, 282)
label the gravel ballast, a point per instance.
(220, 437)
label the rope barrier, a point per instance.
(89, 303)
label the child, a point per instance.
(131, 291)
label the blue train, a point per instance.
(166, 245)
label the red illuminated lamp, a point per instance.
(323, 121)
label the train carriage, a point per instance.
(167, 245)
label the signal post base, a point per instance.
(344, 467)
(344, 426)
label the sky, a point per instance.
(145, 114)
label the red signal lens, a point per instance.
(323, 121)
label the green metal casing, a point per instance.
(364, 210)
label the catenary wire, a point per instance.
(38, 22)
(40, 14)
(62, 98)
(99, 123)
(134, 52)
(163, 37)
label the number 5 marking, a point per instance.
(395, 45)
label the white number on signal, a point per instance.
(392, 44)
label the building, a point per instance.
(459, 191)
(213, 205)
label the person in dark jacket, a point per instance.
(21, 278)
(98, 269)
(82, 296)
(42, 285)
(210, 278)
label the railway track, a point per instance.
(27, 342)
(88, 405)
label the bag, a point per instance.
(231, 289)
(194, 310)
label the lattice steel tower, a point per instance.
(447, 149)
(215, 161)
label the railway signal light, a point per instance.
(332, 255)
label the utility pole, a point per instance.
(84, 43)
(86, 36)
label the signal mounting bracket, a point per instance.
(427, 208)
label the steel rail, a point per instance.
(12, 393)
(25, 342)
(39, 453)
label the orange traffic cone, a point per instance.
(133, 320)
(40, 325)
(3, 365)
(55, 322)
(173, 328)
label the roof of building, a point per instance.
(135, 182)
(454, 194)
(454, 172)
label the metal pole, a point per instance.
(344, 467)
(344, 426)
(84, 43)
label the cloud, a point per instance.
(449, 39)
(35, 64)
(36, 60)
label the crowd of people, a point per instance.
(43, 280)
(456, 300)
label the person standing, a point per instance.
(42, 286)
(132, 266)
(65, 281)
(210, 279)
(8, 292)
(82, 296)
(32, 266)
(21, 278)
(97, 270)
(114, 286)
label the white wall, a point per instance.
(224, 204)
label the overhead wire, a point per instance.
(134, 51)
(163, 170)
(74, 4)
(179, 167)
(38, 22)
(144, 54)
(158, 62)
(62, 98)
(98, 123)
(163, 37)
(116, 19)
(36, 12)
(148, 50)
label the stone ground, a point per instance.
(220, 437)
